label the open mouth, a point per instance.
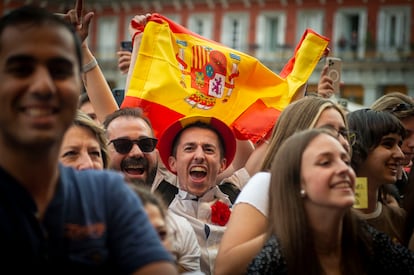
(134, 166)
(134, 170)
(198, 172)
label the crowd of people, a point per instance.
(100, 193)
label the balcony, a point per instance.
(372, 59)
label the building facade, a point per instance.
(374, 38)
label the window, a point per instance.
(234, 31)
(126, 23)
(395, 88)
(107, 37)
(353, 93)
(312, 19)
(201, 24)
(393, 31)
(270, 36)
(349, 33)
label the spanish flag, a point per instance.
(179, 73)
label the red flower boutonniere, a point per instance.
(220, 213)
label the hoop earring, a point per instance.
(302, 193)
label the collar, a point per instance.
(212, 194)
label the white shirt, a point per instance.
(198, 212)
(184, 242)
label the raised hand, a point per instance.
(138, 23)
(124, 61)
(325, 87)
(79, 19)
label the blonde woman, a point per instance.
(84, 145)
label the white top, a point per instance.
(198, 212)
(184, 242)
(256, 192)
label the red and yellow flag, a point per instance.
(179, 73)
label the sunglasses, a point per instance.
(401, 108)
(124, 145)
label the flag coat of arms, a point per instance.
(179, 73)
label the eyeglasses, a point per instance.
(124, 145)
(348, 135)
(401, 107)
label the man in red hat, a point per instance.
(133, 152)
(197, 149)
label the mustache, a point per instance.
(134, 161)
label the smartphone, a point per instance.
(334, 71)
(126, 45)
(119, 95)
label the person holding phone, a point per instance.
(124, 56)
(126, 45)
(334, 71)
(124, 59)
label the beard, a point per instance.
(148, 181)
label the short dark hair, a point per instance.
(369, 127)
(36, 16)
(127, 112)
(203, 125)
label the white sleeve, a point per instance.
(185, 243)
(238, 178)
(256, 192)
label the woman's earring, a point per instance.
(302, 193)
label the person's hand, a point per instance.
(136, 27)
(79, 19)
(124, 60)
(138, 23)
(325, 87)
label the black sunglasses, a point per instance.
(401, 107)
(124, 145)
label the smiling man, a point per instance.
(132, 145)
(54, 219)
(132, 151)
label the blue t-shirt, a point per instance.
(94, 224)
